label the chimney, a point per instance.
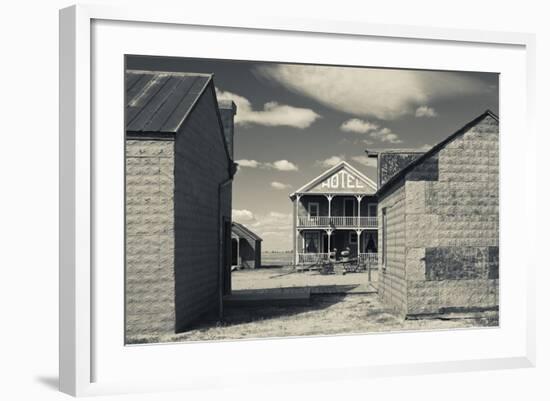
(228, 109)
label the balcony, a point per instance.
(338, 222)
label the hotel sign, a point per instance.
(342, 180)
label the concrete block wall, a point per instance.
(149, 237)
(392, 280)
(452, 225)
(450, 210)
(201, 165)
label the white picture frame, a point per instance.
(83, 351)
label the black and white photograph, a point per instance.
(283, 200)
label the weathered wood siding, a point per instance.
(250, 252)
(201, 165)
(149, 237)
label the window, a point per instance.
(311, 242)
(349, 207)
(384, 238)
(313, 209)
(353, 238)
(372, 210)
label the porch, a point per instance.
(336, 245)
(365, 258)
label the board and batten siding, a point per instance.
(451, 215)
(149, 237)
(201, 165)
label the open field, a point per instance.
(342, 305)
(273, 259)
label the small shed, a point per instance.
(179, 171)
(246, 249)
(439, 226)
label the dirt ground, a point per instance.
(346, 312)
(286, 277)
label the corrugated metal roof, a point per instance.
(160, 101)
(242, 231)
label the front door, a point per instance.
(312, 242)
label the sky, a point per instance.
(294, 121)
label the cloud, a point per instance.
(282, 165)
(382, 93)
(375, 131)
(243, 215)
(279, 185)
(275, 228)
(331, 161)
(386, 135)
(425, 111)
(272, 115)
(248, 163)
(365, 161)
(358, 126)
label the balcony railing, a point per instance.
(338, 221)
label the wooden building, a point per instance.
(333, 212)
(179, 172)
(439, 225)
(246, 249)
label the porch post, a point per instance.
(358, 243)
(329, 198)
(329, 233)
(296, 225)
(297, 256)
(359, 197)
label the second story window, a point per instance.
(313, 209)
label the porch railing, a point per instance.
(304, 258)
(364, 258)
(338, 221)
(370, 259)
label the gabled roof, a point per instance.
(391, 162)
(159, 102)
(343, 165)
(395, 178)
(243, 232)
